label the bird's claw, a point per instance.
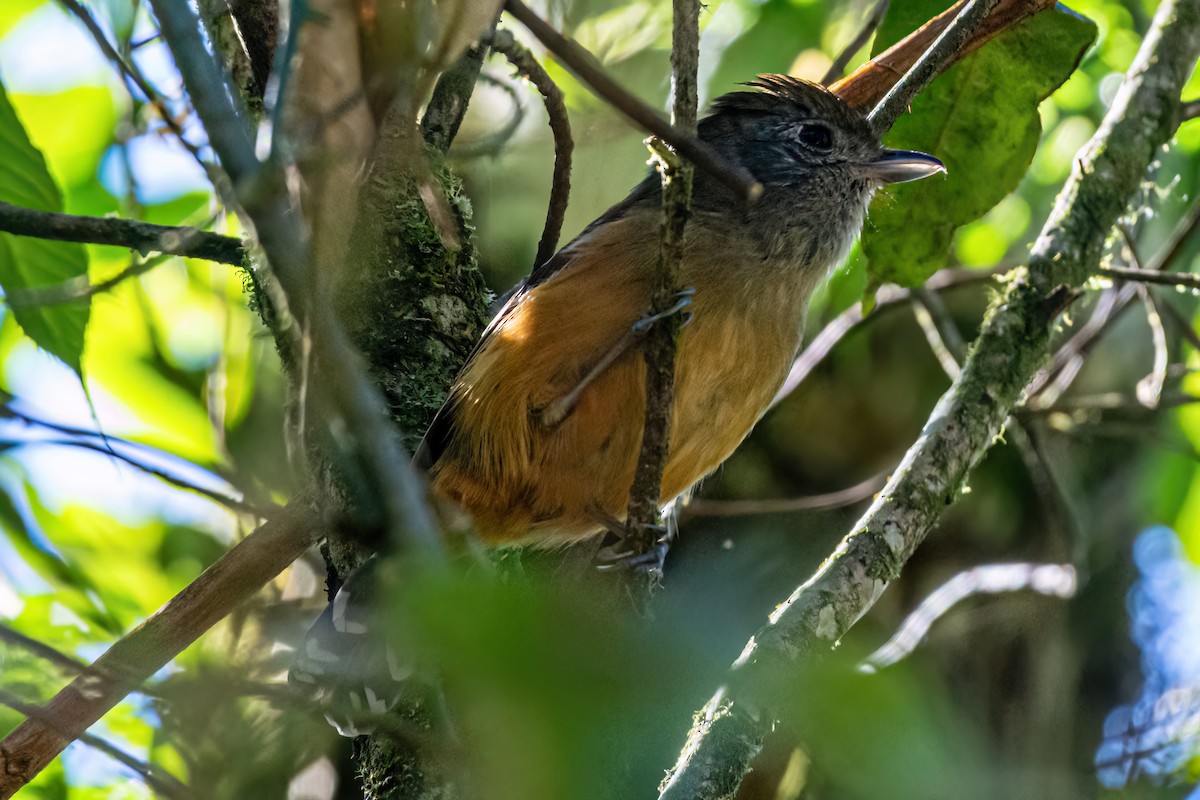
(620, 555)
(683, 299)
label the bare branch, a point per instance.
(645, 495)
(232, 503)
(1049, 384)
(944, 339)
(446, 108)
(1150, 388)
(41, 650)
(887, 297)
(583, 64)
(870, 82)
(560, 126)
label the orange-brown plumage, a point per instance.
(522, 479)
(527, 473)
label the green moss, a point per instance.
(417, 308)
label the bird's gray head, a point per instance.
(791, 132)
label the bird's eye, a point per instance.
(815, 137)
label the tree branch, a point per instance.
(144, 237)
(446, 108)
(1012, 344)
(583, 64)
(237, 575)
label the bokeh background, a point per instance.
(1016, 694)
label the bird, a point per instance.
(540, 435)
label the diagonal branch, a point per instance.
(1013, 343)
(237, 575)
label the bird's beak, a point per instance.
(901, 166)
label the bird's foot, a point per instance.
(620, 555)
(683, 299)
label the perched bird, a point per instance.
(540, 436)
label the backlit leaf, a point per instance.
(981, 119)
(25, 262)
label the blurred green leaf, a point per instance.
(783, 29)
(31, 544)
(981, 119)
(72, 129)
(25, 262)
(13, 11)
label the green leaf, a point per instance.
(981, 119)
(25, 262)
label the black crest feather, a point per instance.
(800, 97)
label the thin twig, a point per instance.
(1045, 388)
(933, 61)
(1181, 280)
(887, 297)
(1190, 110)
(1185, 326)
(1109, 401)
(1150, 388)
(1058, 580)
(132, 74)
(870, 82)
(232, 503)
(942, 336)
(41, 650)
(493, 143)
(143, 237)
(870, 25)
(560, 127)
(645, 494)
(584, 65)
(816, 502)
(156, 778)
